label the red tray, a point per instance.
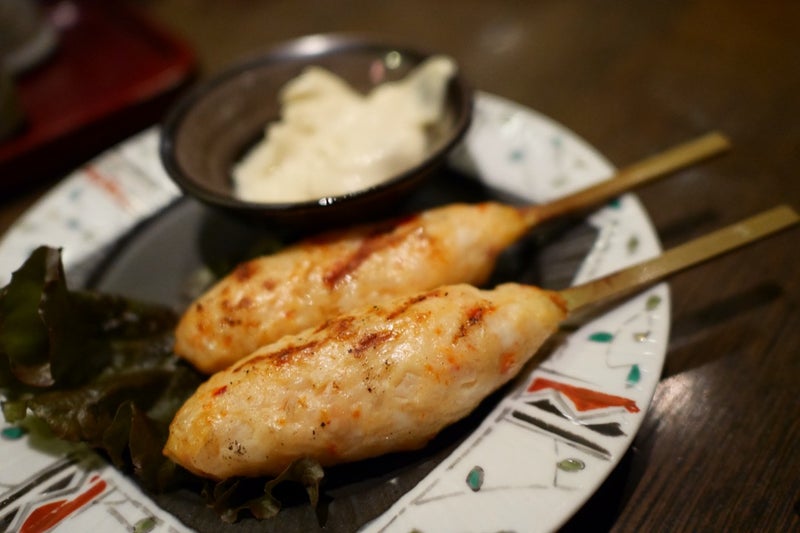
(113, 73)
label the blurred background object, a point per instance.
(11, 115)
(108, 71)
(26, 36)
(26, 39)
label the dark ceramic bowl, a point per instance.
(213, 126)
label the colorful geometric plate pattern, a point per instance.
(540, 454)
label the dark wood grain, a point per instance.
(719, 448)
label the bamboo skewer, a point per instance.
(585, 298)
(651, 168)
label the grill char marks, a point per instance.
(474, 318)
(371, 341)
(407, 304)
(287, 355)
(385, 236)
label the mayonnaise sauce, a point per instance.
(331, 140)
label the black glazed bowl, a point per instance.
(215, 124)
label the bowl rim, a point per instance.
(308, 46)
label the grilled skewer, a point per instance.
(305, 284)
(390, 376)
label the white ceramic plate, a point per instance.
(535, 459)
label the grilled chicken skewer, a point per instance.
(303, 285)
(389, 377)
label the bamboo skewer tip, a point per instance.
(649, 169)
(585, 298)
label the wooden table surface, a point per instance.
(719, 449)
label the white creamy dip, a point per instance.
(331, 140)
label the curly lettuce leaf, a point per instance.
(38, 333)
(231, 497)
(95, 368)
(99, 369)
(54, 337)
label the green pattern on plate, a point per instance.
(633, 244)
(634, 375)
(571, 465)
(13, 433)
(601, 336)
(653, 302)
(475, 478)
(145, 525)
